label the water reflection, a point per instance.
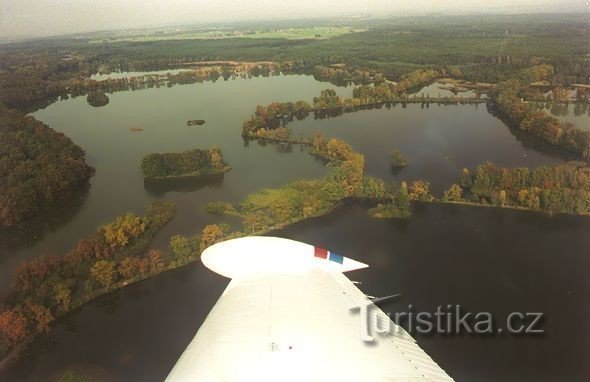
(577, 113)
(43, 224)
(159, 187)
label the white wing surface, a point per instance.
(286, 316)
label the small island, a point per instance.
(197, 122)
(398, 206)
(190, 163)
(398, 160)
(97, 99)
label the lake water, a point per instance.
(438, 140)
(483, 258)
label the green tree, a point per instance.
(73, 376)
(402, 199)
(398, 160)
(465, 181)
(183, 249)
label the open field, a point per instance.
(288, 33)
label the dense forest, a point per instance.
(476, 48)
(189, 163)
(563, 188)
(48, 287)
(39, 167)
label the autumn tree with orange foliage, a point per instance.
(14, 326)
(419, 190)
(41, 317)
(212, 233)
(124, 229)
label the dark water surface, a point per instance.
(438, 141)
(485, 259)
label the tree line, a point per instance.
(48, 287)
(39, 167)
(269, 122)
(487, 49)
(563, 188)
(189, 163)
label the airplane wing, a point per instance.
(286, 316)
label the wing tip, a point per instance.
(251, 255)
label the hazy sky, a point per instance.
(51, 17)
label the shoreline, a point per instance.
(196, 174)
(14, 354)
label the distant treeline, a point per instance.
(189, 163)
(39, 167)
(476, 48)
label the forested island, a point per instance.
(97, 98)
(195, 122)
(39, 168)
(398, 160)
(194, 162)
